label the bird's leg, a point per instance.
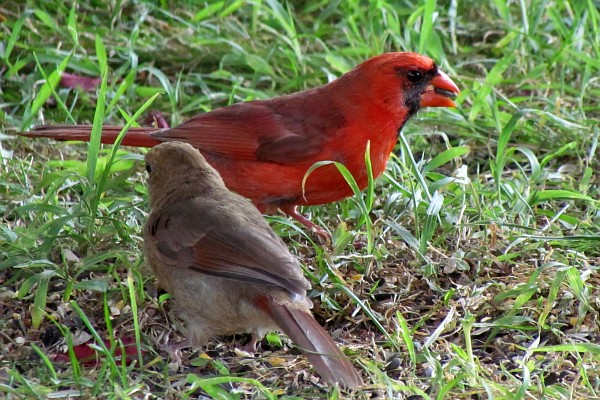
(171, 347)
(174, 350)
(323, 236)
(252, 345)
(156, 119)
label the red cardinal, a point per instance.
(263, 148)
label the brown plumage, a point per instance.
(226, 269)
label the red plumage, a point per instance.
(264, 148)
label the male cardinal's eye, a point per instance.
(148, 168)
(414, 76)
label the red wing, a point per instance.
(219, 244)
(246, 131)
(286, 130)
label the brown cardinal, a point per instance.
(225, 268)
(264, 148)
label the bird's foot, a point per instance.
(156, 119)
(323, 236)
(252, 345)
(174, 351)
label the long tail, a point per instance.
(316, 344)
(138, 137)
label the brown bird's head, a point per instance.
(406, 81)
(177, 168)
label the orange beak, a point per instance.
(440, 92)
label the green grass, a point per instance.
(469, 271)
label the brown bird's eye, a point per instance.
(148, 168)
(414, 76)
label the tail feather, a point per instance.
(316, 344)
(137, 137)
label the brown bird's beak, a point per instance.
(440, 92)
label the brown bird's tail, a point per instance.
(316, 344)
(138, 137)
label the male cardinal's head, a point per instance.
(407, 81)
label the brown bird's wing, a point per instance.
(252, 131)
(213, 240)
